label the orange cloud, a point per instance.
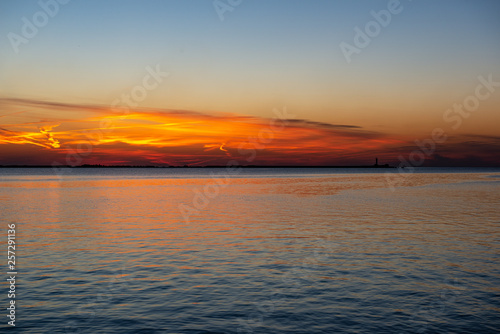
(99, 135)
(46, 131)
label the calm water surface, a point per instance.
(256, 251)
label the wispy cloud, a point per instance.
(166, 136)
(46, 130)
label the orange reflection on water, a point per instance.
(134, 216)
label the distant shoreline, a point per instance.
(222, 166)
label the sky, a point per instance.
(261, 82)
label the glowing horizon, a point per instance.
(183, 83)
(109, 136)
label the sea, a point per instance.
(242, 250)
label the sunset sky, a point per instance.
(262, 82)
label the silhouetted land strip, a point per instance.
(214, 166)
